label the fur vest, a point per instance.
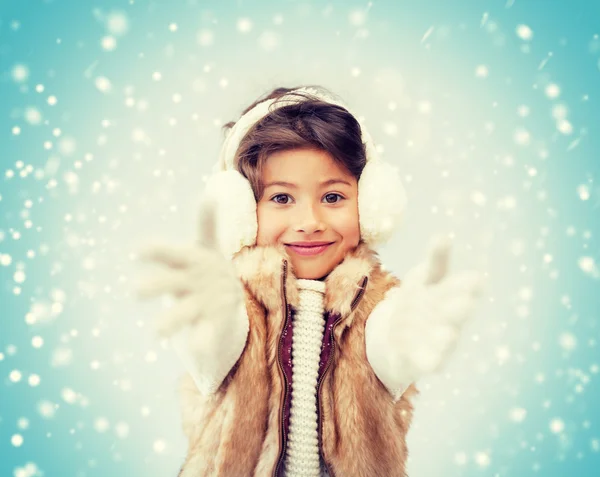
(241, 429)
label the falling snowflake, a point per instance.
(524, 32)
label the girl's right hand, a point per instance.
(201, 279)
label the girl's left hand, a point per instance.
(423, 320)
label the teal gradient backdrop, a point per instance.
(110, 121)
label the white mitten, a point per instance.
(414, 329)
(207, 323)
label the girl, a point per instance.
(301, 348)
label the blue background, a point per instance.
(496, 137)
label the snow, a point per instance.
(112, 126)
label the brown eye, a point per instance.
(333, 198)
(281, 199)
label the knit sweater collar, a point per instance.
(313, 285)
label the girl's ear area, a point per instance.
(231, 199)
(381, 202)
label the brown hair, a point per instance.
(308, 123)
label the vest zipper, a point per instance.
(332, 342)
(354, 304)
(286, 315)
(359, 294)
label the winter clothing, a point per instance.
(243, 427)
(303, 456)
(358, 339)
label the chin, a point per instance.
(311, 274)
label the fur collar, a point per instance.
(261, 269)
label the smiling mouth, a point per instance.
(308, 250)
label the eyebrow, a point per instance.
(294, 186)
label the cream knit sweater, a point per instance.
(302, 458)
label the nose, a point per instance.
(308, 220)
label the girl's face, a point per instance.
(310, 205)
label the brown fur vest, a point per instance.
(239, 431)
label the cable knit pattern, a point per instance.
(309, 323)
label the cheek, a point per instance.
(348, 226)
(268, 230)
(352, 234)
